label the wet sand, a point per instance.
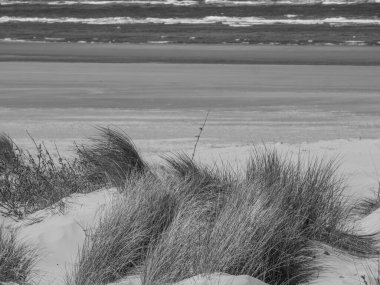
(162, 105)
(159, 86)
(238, 54)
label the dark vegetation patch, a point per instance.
(16, 258)
(31, 181)
(111, 157)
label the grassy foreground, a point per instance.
(183, 218)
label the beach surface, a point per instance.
(162, 105)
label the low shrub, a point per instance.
(34, 181)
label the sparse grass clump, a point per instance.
(119, 245)
(372, 276)
(16, 259)
(368, 205)
(312, 192)
(112, 156)
(34, 181)
(198, 179)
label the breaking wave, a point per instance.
(105, 2)
(229, 21)
(185, 2)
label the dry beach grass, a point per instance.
(32, 181)
(184, 218)
(16, 258)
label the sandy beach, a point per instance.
(162, 105)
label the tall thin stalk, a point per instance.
(199, 134)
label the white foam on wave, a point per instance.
(129, 2)
(186, 2)
(229, 21)
(105, 2)
(11, 40)
(158, 42)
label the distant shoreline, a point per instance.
(189, 53)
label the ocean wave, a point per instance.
(105, 2)
(184, 2)
(229, 21)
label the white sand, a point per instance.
(213, 279)
(59, 233)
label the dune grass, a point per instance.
(30, 181)
(186, 218)
(16, 259)
(172, 228)
(112, 156)
(367, 205)
(119, 245)
(194, 219)
(372, 276)
(244, 238)
(199, 179)
(314, 193)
